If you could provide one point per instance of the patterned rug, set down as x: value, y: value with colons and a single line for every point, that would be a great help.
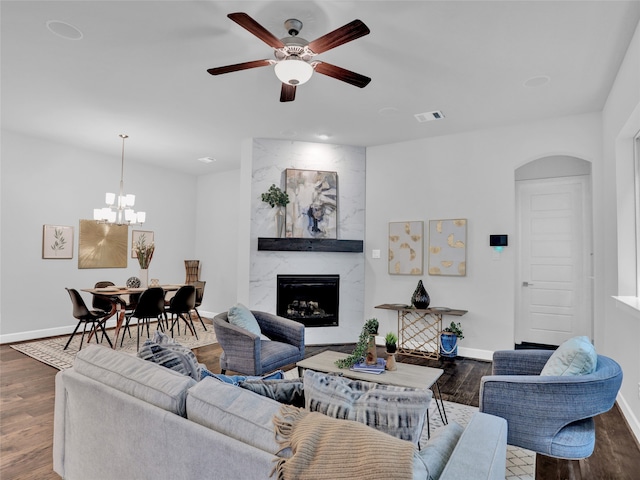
x: 520, y: 462
x: 50, y: 350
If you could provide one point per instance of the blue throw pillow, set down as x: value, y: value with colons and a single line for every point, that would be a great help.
x: 241, y: 316
x: 576, y: 356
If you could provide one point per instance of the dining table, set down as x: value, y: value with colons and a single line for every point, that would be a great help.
x: 115, y: 293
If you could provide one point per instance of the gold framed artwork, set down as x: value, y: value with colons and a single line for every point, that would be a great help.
x: 406, y: 245
x: 312, y: 211
x: 57, y: 242
x: 102, y: 245
x: 448, y: 247
x: 147, y: 238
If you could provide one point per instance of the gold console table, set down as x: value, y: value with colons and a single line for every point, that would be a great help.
x: 419, y: 329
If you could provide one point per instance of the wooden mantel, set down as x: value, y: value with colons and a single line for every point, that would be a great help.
x: 310, y: 245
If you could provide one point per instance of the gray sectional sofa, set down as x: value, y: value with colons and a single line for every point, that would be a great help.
x: 120, y: 417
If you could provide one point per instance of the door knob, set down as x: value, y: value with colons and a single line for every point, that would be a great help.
x: 526, y: 284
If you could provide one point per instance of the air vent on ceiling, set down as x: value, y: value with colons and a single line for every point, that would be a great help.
x: 428, y: 116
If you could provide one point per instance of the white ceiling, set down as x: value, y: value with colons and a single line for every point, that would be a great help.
x: 140, y: 69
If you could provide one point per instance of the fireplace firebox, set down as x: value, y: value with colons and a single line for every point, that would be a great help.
x: 309, y: 299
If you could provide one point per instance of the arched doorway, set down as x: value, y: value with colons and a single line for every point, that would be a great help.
x: 554, y: 269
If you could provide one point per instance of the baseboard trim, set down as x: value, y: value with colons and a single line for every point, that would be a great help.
x: 629, y: 416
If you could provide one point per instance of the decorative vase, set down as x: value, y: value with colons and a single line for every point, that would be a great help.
x: 144, y: 277
x: 279, y: 219
x: 420, y: 298
x: 391, y: 362
x: 372, y: 353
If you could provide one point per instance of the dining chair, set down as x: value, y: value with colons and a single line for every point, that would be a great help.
x: 150, y: 306
x: 199, y: 284
x: 95, y: 317
x: 180, y: 307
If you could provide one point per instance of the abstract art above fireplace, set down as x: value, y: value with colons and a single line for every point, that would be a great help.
x: 313, y: 208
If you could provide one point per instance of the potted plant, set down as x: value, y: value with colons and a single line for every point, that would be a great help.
x: 391, y: 343
x: 369, y: 331
x: 276, y: 198
x: 449, y: 340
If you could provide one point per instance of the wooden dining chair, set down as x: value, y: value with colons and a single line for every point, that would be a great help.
x: 96, y: 317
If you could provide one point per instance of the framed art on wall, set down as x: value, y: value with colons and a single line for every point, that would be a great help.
x: 406, y: 245
x: 102, y: 245
x: 57, y: 242
x: 312, y: 211
x: 448, y: 247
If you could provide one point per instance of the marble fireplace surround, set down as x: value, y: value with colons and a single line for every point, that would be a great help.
x: 269, y: 160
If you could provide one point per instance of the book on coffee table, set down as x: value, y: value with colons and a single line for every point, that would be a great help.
x: 362, y: 366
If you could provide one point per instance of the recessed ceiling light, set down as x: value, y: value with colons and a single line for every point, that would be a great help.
x: 537, y: 81
x: 207, y: 159
x: 64, y: 30
x: 324, y: 136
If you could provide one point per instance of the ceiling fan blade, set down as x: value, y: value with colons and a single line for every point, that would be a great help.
x: 239, y: 66
x: 338, y: 73
x: 249, y: 24
x: 288, y: 93
x: 339, y: 36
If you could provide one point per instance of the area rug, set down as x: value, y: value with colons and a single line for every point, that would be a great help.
x: 50, y: 350
x: 520, y: 462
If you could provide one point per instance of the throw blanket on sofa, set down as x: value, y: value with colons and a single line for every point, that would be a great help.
x: 326, y: 448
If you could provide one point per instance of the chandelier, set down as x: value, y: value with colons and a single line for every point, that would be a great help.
x: 119, y: 210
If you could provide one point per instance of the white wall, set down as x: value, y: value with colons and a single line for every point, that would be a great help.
x: 619, y: 325
x: 470, y: 176
x: 53, y: 184
x: 217, y: 239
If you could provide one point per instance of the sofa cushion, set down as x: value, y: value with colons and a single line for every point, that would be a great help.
x: 289, y: 392
x: 147, y: 381
x: 165, y: 351
x: 398, y: 411
x: 433, y: 457
x: 241, y: 316
x: 235, y: 412
x: 576, y: 356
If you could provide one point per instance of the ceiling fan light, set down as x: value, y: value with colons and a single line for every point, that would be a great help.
x: 293, y: 71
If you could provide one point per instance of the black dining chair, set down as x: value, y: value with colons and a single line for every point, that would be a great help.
x: 199, y: 284
x: 150, y: 307
x: 96, y: 317
x: 180, y: 307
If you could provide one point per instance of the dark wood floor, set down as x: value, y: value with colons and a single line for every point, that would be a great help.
x: 27, y: 398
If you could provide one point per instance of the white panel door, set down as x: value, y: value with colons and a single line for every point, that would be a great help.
x: 553, y: 300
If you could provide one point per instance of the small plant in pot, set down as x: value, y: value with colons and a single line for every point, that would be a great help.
x: 391, y: 342
x: 277, y: 199
x: 369, y: 330
x: 449, y: 340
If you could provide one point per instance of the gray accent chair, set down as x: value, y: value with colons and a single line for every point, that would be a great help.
x: 550, y: 415
x: 248, y: 354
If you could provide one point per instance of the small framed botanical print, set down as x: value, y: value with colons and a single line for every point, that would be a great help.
x: 57, y: 242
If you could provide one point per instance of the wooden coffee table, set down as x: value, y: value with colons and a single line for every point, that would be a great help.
x: 412, y: 376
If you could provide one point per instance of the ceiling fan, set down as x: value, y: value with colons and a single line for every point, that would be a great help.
x: 294, y: 62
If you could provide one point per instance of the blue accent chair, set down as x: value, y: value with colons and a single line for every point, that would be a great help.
x: 248, y: 354
x: 550, y: 415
